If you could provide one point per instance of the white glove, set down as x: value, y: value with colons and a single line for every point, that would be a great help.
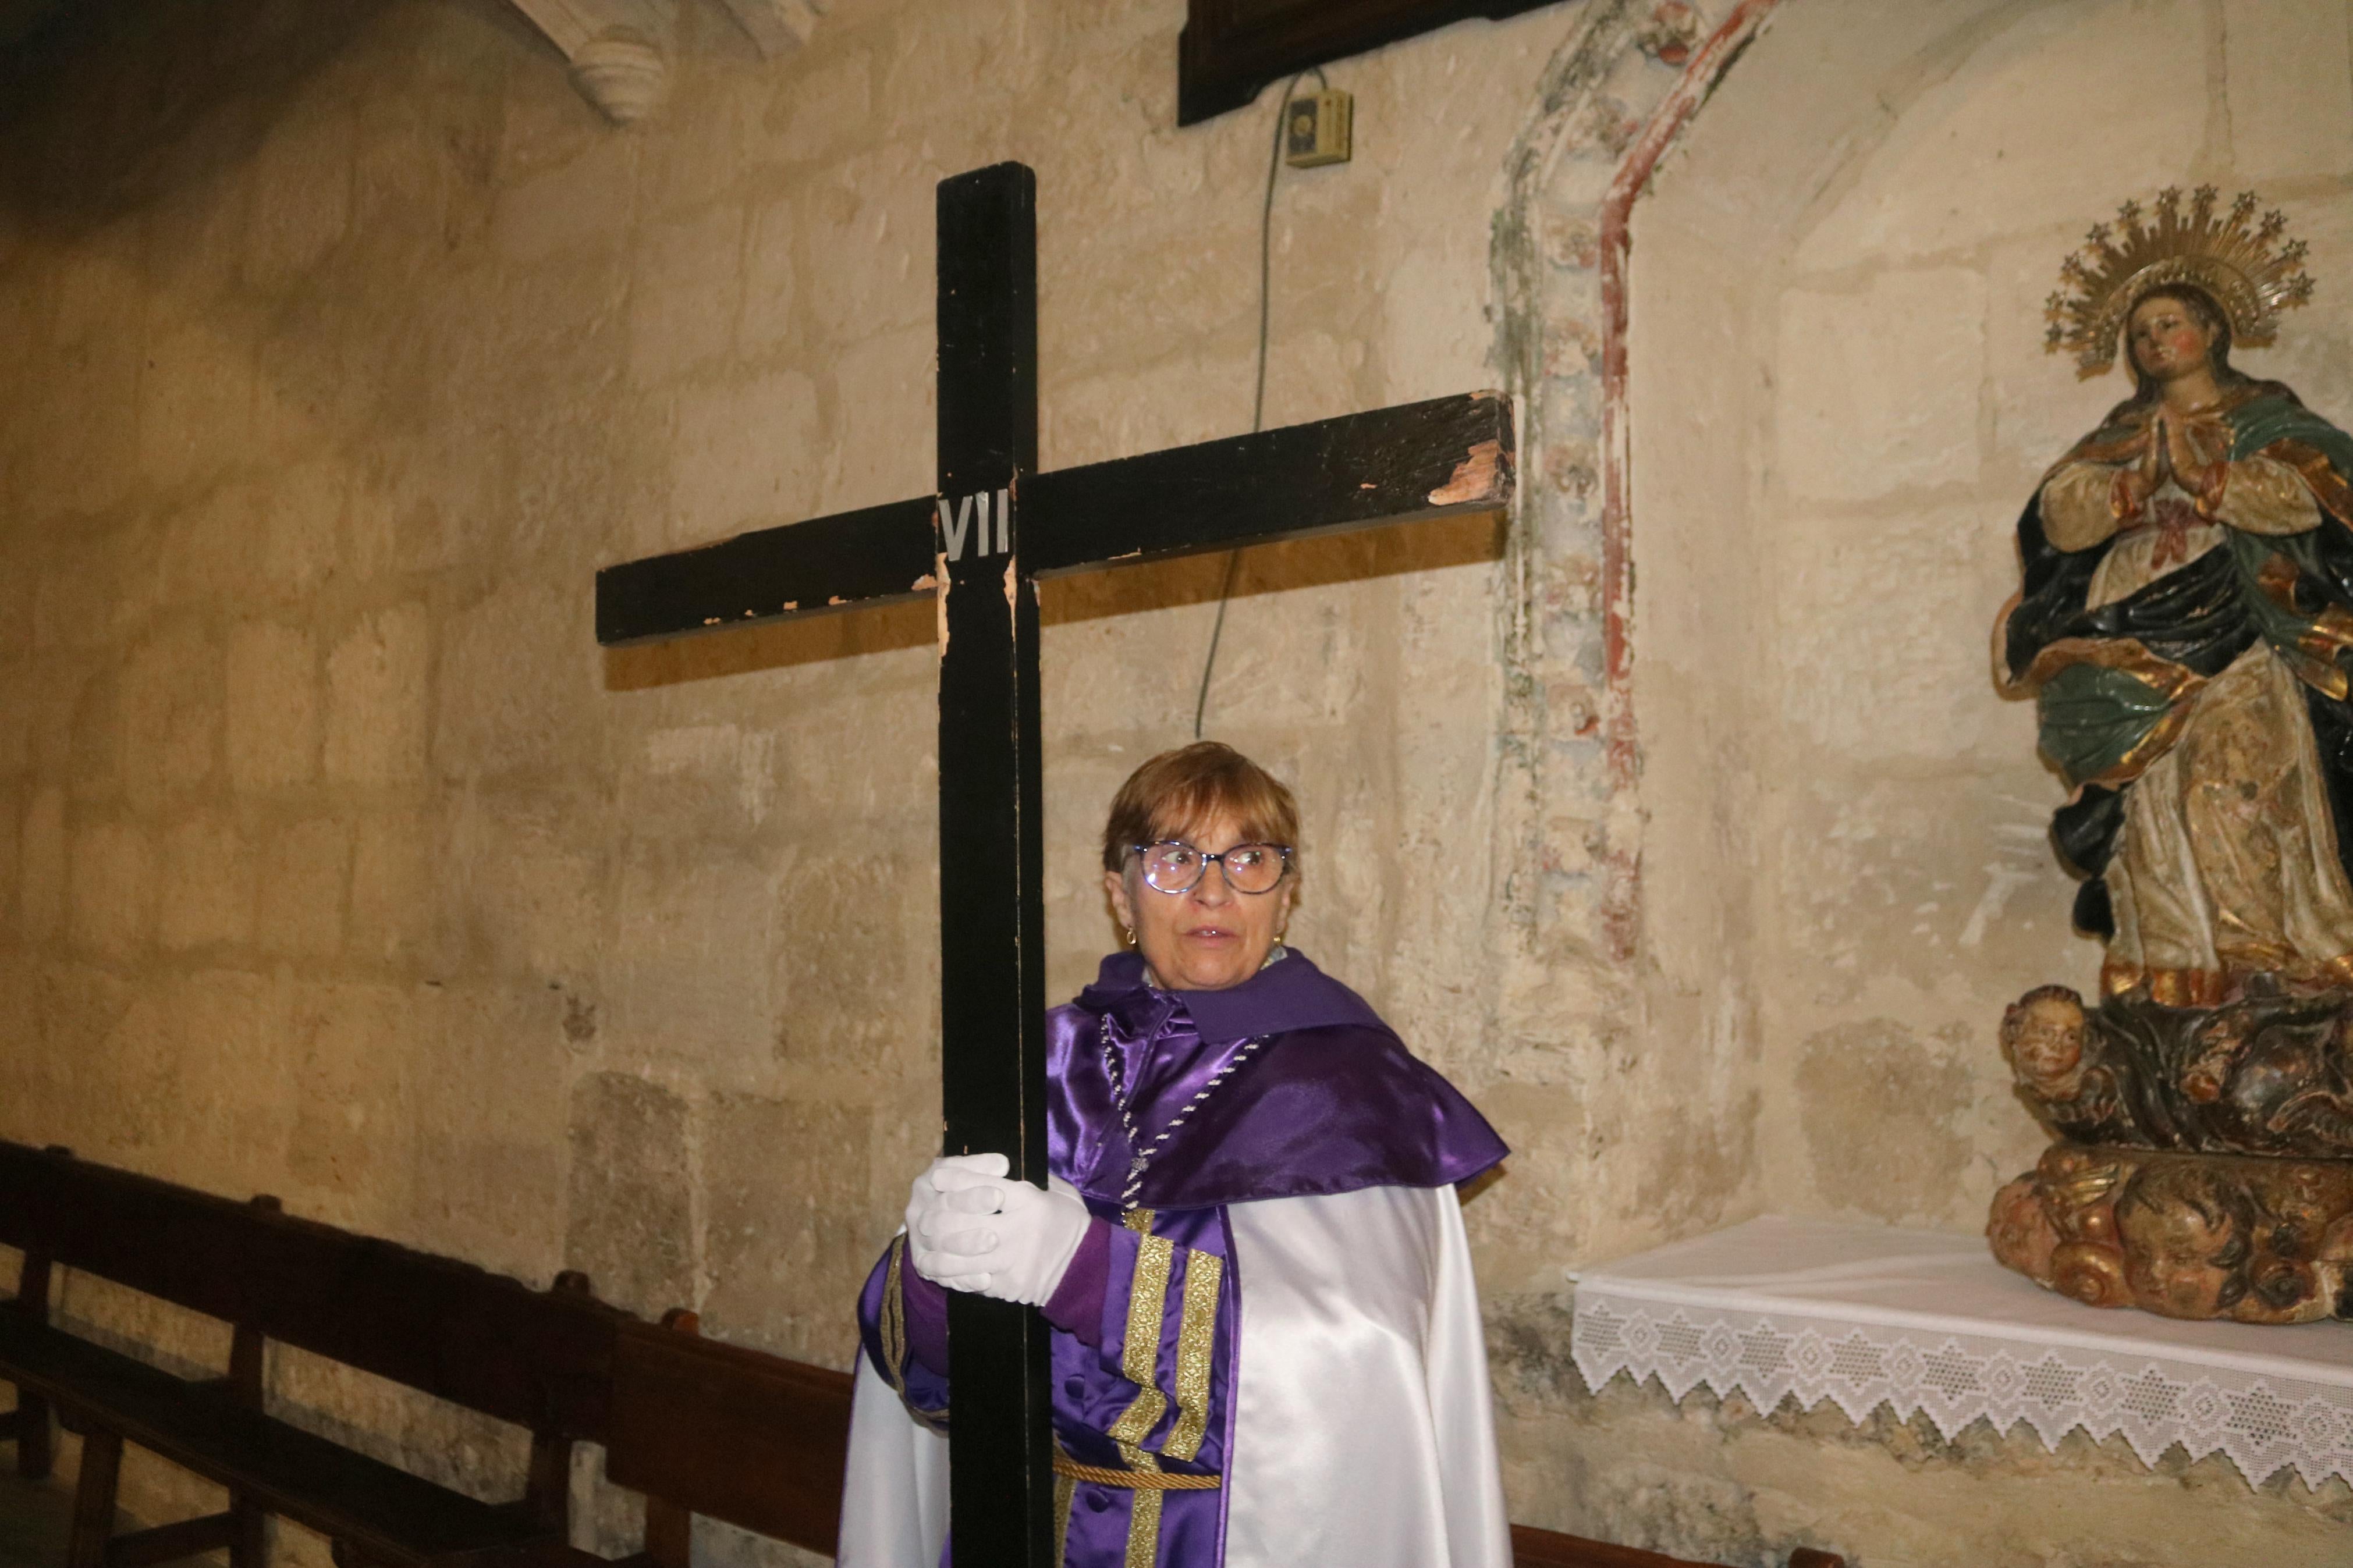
x: 926, y: 1199
x: 971, y: 1227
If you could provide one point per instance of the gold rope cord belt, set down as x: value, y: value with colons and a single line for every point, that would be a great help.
x: 1134, y: 1480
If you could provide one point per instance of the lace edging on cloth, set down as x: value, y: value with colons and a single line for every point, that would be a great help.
x: 2263, y: 1421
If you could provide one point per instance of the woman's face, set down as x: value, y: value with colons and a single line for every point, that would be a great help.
x: 1212, y: 938
x: 2167, y: 339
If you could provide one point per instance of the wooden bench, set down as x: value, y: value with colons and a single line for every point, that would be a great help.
x: 697, y: 1426
x: 761, y: 1443
x: 541, y: 1361
x: 701, y: 1427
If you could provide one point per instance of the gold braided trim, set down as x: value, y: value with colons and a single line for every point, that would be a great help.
x: 1143, y: 1530
x: 1148, y: 1306
x: 894, y: 1329
x: 1196, y: 1336
x: 1134, y: 1480
x: 893, y: 1323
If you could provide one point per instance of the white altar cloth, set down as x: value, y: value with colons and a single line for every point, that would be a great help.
x: 1927, y: 1320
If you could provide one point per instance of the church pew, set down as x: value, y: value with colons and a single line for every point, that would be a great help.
x: 760, y: 1442
x: 1534, y: 1548
x: 541, y: 1361
x: 699, y: 1428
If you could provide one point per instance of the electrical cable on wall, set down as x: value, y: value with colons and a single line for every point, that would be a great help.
x: 1257, y: 396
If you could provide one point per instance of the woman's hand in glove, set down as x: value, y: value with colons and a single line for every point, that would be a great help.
x: 972, y: 1227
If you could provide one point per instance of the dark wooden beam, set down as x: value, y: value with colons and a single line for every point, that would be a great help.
x: 29, y: 1423
x: 1534, y: 1548
x: 870, y: 556
x: 1229, y: 49
x: 172, y: 1542
x: 992, y: 846
x: 1391, y: 465
x: 94, y: 1494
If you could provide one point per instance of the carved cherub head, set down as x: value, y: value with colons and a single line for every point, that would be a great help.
x: 2187, y: 1240
x: 2043, y: 1041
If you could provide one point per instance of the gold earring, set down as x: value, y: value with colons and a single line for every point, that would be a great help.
x: 1131, y: 936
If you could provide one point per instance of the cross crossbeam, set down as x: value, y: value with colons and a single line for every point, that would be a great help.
x: 1391, y: 465
x: 980, y: 542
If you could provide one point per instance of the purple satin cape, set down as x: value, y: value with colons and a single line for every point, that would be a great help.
x: 1333, y: 1102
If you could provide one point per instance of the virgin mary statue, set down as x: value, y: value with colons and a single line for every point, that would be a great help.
x: 2185, y: 623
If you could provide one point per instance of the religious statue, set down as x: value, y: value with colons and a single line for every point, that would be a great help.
x: 2185, y: 628
x: 2189, y: 1236
x: 2267, y: 1074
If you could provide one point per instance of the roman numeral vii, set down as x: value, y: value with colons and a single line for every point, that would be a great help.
x: 957, y: 525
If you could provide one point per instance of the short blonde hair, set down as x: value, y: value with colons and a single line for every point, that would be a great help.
x: 1184, y: 788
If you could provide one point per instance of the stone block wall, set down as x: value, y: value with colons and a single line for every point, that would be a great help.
x: 346, y: 341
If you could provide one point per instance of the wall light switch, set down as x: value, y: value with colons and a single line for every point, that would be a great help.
x: 1315, y: 129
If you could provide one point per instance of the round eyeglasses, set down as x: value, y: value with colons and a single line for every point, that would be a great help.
x: 1173, y: 866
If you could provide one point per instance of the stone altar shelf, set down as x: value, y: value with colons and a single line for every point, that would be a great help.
x: 1927, y: 1320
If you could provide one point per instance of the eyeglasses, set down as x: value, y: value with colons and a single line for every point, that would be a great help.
x: 1173, y: 866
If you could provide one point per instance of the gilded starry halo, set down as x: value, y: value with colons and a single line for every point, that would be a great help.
x: 2235, y: 258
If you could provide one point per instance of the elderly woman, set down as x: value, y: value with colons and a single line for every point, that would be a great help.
x: 1266, y: 1347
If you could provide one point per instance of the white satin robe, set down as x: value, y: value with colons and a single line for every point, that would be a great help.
x: 1364, y: 1433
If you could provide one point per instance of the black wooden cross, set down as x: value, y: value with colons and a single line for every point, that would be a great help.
x: 995, y: 527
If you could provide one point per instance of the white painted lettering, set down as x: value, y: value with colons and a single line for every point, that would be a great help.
x: 954, y: 525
